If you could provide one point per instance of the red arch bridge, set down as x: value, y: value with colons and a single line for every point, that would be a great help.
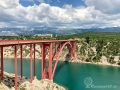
x: 54, y: 49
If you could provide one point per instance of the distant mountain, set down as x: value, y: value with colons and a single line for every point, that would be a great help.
x: 52, y: 30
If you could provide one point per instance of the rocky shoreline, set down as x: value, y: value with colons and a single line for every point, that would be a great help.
x: 75, y: 60
x: 97, y: 63
x: 24, y: 84
x: 40, y: 85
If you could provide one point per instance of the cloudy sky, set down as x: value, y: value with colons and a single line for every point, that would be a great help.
x: 60, y: 13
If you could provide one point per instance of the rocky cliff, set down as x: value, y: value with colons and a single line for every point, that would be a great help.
x: 98, y: 51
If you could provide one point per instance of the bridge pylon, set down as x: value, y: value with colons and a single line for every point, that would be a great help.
x: 54, y: 51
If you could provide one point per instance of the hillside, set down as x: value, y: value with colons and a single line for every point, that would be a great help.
x: 97, y: 47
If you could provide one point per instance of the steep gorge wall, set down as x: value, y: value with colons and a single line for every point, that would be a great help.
x: 97, y: 50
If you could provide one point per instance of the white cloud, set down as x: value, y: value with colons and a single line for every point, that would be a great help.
x: 106, y: 6
x: 9, y: 3
x: 13, y: 14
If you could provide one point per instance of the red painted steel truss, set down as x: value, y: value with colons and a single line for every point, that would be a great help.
x: 48, y: 69
x: 51, y: 52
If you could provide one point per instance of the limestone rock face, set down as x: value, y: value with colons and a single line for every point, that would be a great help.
x: 24, y: 84
x: 9, y: 80
x: 104, y: 60
x: 40, y: 85
x: 3, y: 87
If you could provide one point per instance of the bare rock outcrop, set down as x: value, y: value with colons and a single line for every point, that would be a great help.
x: 40, y: 85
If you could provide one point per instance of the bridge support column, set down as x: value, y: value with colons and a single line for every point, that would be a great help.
x: 34, y: 61
x: 43, y: 61
x: 74, y: 49
x: 21, y: 61
x: 50, y: 61
x: 47, y: 68
x: 15, y: 68
x: 70, y: 50
x: 31, y: 63
x: 2, y: 66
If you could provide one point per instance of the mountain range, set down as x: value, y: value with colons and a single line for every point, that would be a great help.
x: 52, y: 30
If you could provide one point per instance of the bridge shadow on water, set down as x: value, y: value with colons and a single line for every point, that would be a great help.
x: 59, y: 67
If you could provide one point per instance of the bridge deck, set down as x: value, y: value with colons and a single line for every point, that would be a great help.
x: 17, y: 42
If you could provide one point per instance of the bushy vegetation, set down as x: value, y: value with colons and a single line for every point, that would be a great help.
x: 104, y: 44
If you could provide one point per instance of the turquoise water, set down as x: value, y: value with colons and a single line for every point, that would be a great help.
x: 76, y: 76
